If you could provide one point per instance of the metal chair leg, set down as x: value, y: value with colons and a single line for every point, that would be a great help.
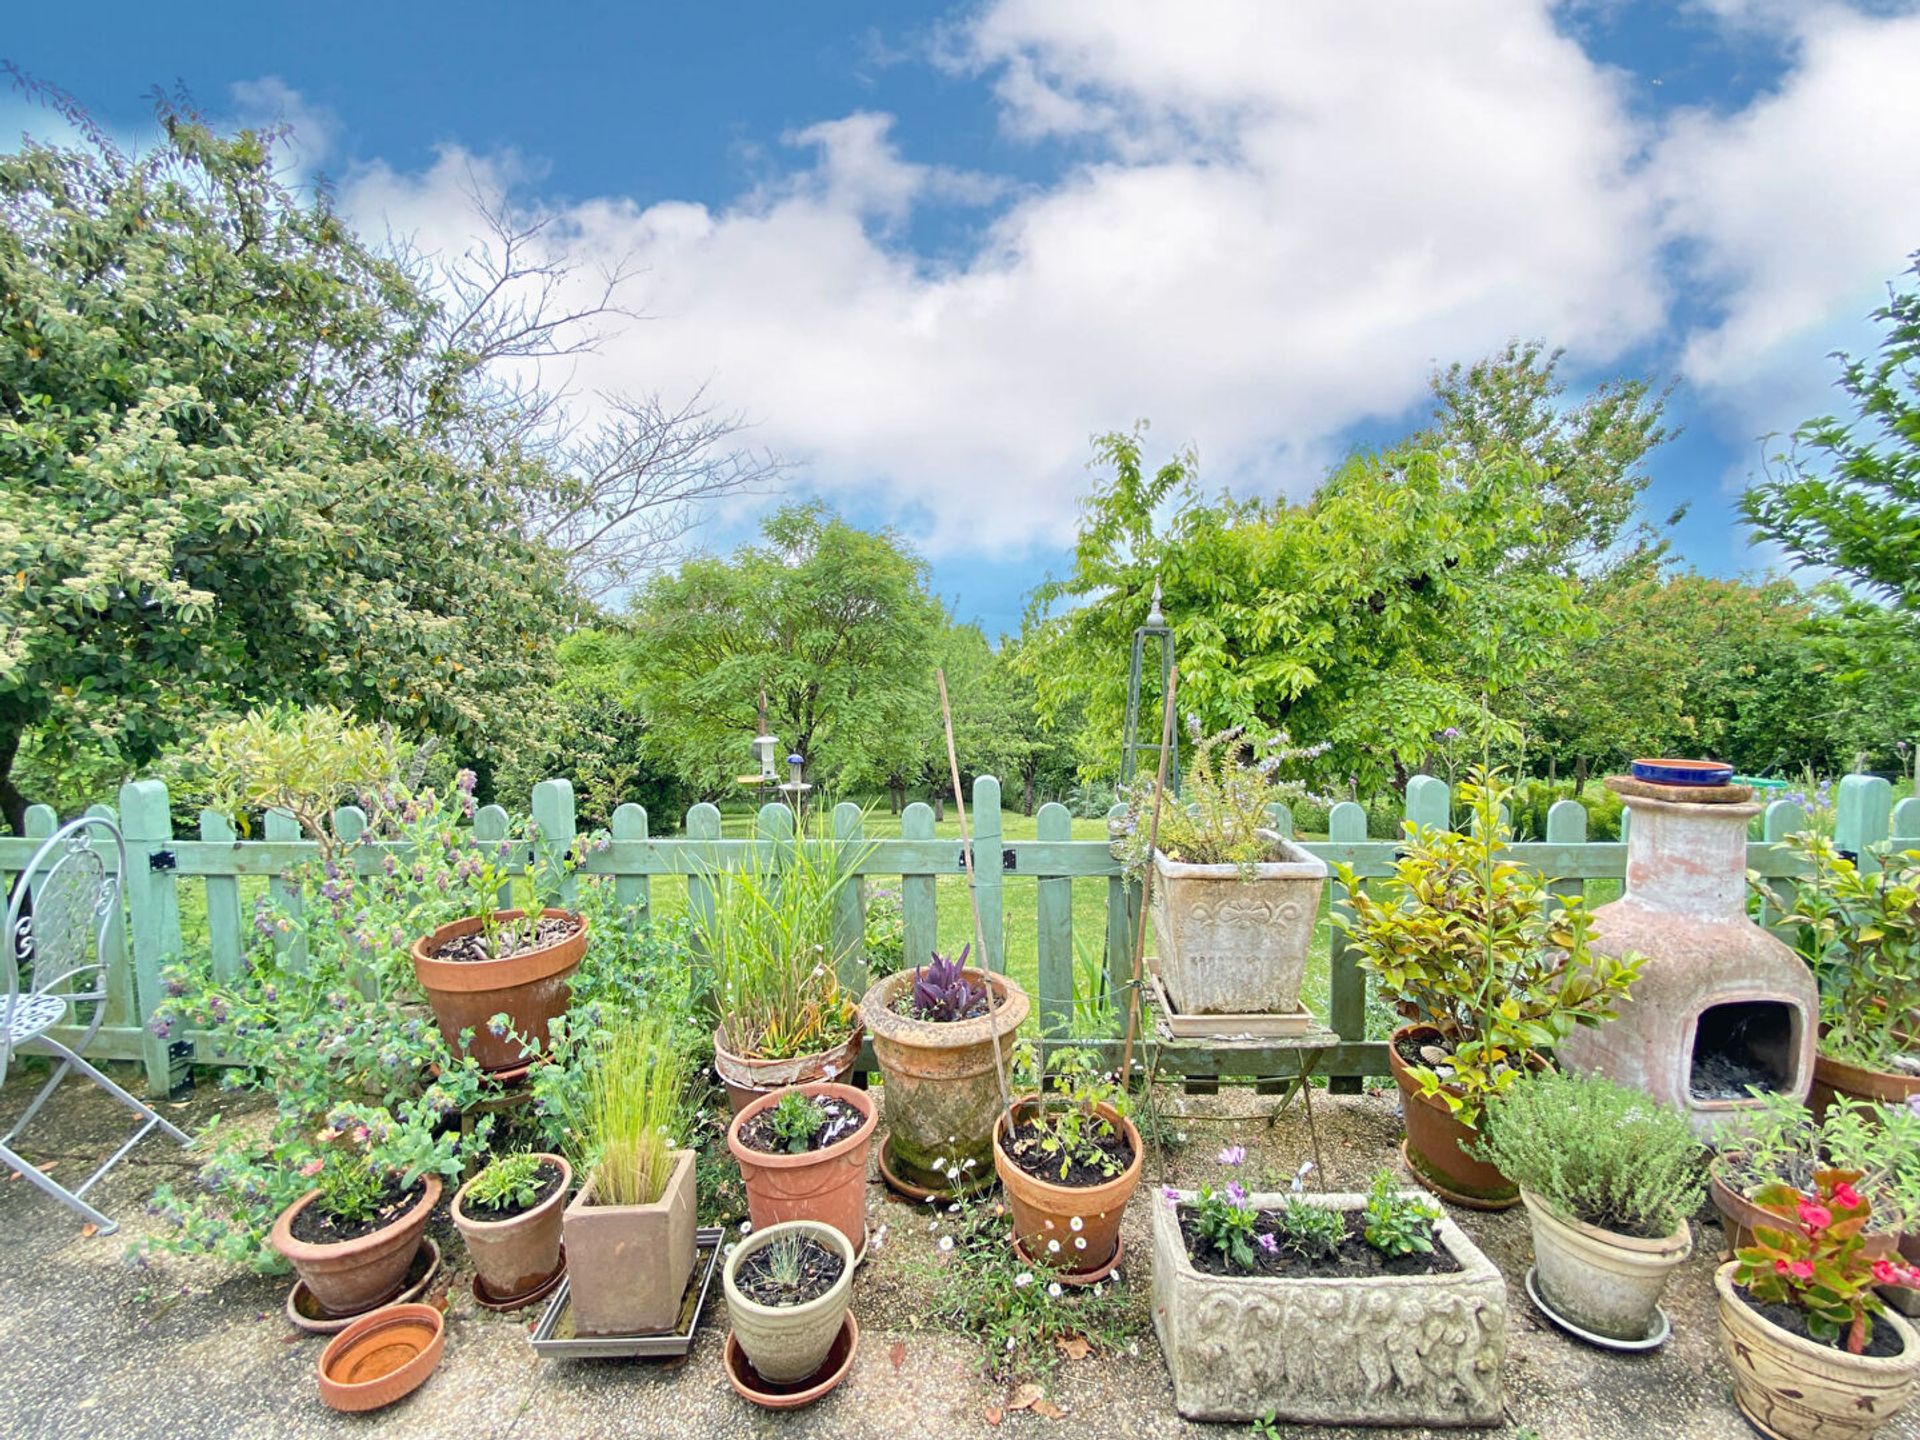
x: 47, y: 1183
x: 59, y: 1074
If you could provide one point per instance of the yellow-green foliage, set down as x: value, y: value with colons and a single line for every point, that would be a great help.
x: 305, y: 762
x: 635, y: 1109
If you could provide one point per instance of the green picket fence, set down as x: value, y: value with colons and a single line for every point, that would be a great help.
x: 160, y: 863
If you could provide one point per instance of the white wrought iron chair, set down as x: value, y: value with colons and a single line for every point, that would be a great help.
x: 65, y: 906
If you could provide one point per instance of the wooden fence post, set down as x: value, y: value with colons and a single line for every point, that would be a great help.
x: 703, y: 823
x: 1780, y: 819
x: 850, y: 905
x: 1906, y: 824
x: 1862, y: 808
x: 553, y: 814
x: 286, y: 889
x: 1053, y: 920
x: 490, y: 826
x: 1567, y: 825
x: 919, y: 912
x: 153, y: 904
x: 988, y: 873
x: 632, y: 893
x: 1347, y: 988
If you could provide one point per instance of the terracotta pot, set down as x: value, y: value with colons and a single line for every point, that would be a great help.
x: 530, y: 987
x: 382, y: 1356
x: 1046, y: 1211
x: 1435, y: 1140
x: 1739, y: 1215
x: 827, y: 1185
x: 786, y: 1344
x: 1234, y: 944
x: 942, y: 1088
x: 520, y: 1254
x: 628, y: 1265
x: 349, y: 1276
x: 1877, y: 1087
x: 1605, y: 1283
x: 1795, y: 1389
x: 748, y: 1078
x: 1904, y: 1298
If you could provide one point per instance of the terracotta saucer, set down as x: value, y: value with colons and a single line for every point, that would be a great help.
x: 919, y: 1192
x: 307, y: 1313
x: 487, y: 1300
x: 1084, y: 1277
x: 748, y: 1384
x: 383, y: 1355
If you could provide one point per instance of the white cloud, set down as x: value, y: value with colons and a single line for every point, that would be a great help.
x: 270, y: 102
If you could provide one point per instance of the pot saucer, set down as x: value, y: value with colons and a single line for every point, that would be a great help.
x: 1084, y: 1277
x: 1453, y: 1197
x: 487, y: 1300
x: 1661, y: 1330
x: 749, y: 1386
x: 381, y: 1356
x: 307, y: 1313
x: 910, y: 1191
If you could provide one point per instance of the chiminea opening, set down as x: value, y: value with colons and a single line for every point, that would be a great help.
x: 1742, y: 1043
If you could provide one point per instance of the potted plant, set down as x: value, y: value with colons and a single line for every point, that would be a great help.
x: 943, y: 1037
x: 803, y: 1155
x: 772, y: 936
x: 1814, y: 1354
x: 1860, y: 931
x: 1608, y: 1177
x: 1234, y: 902
x: 1070, y: 1159
x: 510, y: 1216
x: 354, y: 1234
x: 1322, y: 1309
x: 630, y: 1231
x: 787, y: 1292
x: 1493, y: 969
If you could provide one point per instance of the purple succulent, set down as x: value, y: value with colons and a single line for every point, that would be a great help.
x: 941, y: 990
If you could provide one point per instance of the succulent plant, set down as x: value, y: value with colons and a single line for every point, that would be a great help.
x: 941, y: 990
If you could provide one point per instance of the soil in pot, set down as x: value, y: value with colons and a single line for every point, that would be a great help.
x: 788, y: 1273
x: 547, y: 1179
x: 316, y: 1227
x: 840, y: 1121
x: 1354, y: 1259
x: 1025, y: 1151
x: 1883, y: 1344
x: 548, y: 930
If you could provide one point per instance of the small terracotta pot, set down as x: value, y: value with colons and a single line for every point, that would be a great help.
x: 531, y: 987
x: 382, y: 1356
x: 1067, y: 1214
x: 1739, y: 1216
x: 628, y: 1264
x: 1877, y: 1087
x: 747, y: 1078
x: 1795, y: 1389
x: 1605, y: 1283
x: 1435, y: 1141
x: 349, y: 1276
x: 787, y: 1344
x: 827, y: 1185
x: 518, y: 1255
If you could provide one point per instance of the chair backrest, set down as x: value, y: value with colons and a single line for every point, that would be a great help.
x: 60, y: 919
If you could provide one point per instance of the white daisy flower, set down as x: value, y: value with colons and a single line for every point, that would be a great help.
x: 946, y: 1242
x: 1023, y: 1279
x: 1079, y: 1242
x: 1075, y: 1223
x: 746, y: 1227
x: 1054, y: 1289
x: 1053, y: 1247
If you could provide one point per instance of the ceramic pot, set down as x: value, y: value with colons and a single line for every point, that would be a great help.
x: 518, y: 1255
x: 347, y: 1277
x: 531, y: 987
x: 1605, y: 1283
x: 1083, y: 1219
x: 750, y: 1386
x: 1876, y: 1087
x: 942, y: 1086
x: 788, y: 1343
x: 1795, y: 1389
x: 382, y: 1356
x: 747, y: 1078
x: 627, y: 1265
x: 1230, y: 944
x: 828, y: 1185
x: 1435, y: 1141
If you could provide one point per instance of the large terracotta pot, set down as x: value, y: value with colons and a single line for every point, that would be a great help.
x: 531, y: 987
x: 1795, y: 1389
x: 627, y: 1265
x: 1234, y: 944
x: 517, y: 1255
x: 347, y: 1277
x: 1435, y: 1140
x: 1083, y: 1219
x: 828, y: 1185
x: 747, y: 1078
x: 942, y: 1087
x: 1739, y: 1216
x: 1605, y: 1283
x: 787, y: 1343
x: 1877, y: 1087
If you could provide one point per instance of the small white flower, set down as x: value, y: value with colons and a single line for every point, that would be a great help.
x: 1079, y: 1242
x: 954, y: 1209
x: 946, y: 1242
x: 1023, y: 1279
x: 1075, y: 1223
x: 1049, y: 1224
x: 1098, y: 1289
x: 1053, y: 1247
x: 1054, y: 1289
x: 746, y: 1227
x: 1009, y: 1342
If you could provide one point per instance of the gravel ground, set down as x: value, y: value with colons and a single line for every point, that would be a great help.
x: 98, y: 1346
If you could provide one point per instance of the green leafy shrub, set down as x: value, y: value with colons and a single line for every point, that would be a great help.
x: 1597, y: 1152
x: 886, y: 931
x: 1779, y: 1142
x: 511, y: 1180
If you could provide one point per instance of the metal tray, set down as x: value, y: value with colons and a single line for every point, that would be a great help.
x: 554, y: 1336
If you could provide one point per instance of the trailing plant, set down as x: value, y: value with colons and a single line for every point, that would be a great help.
x: 1398, y: 1224
x: 795, y: 1121
x: 1476, y: 945
x: 1064, y: 1117
x: 941, y: 990
x: 1817, y: 1262
x: 1597, y: 1152
x: 636, y: 1111
x: 511, y: 1180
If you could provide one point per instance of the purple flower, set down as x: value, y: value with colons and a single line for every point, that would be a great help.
x: 1236, y: 1195
x: 1234, y: 1155
x: 1451, y: 733
x: 465, y: 781
x: 161, y: 1028
x: 1172, y: 1196
x: 1267, y: 1243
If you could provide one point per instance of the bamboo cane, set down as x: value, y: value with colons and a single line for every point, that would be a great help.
x: 1146, y: 880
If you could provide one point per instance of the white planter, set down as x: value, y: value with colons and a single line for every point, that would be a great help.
x: 1604, y: 1283
x: 1230, y: 945
x: 788, y: 1343
x: 1382, y: 1350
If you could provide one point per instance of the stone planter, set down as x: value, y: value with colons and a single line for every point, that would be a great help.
x: 530, y: 987
x: 786, y: 1344
x: 1795, y: 1389
x: 1436, y: 1142
x: 828, y: 1185
x: 942, y: 1088
x: 518, y: 1255
x: 346, y: 1277
x: 748, y: 1078
x: 628, y: 1265
x: 1604, y: 1283
x: 1229, y: 945
x: 1384, y: 1350
x: 1084, y: 1219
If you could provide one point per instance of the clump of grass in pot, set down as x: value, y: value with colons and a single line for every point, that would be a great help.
x: 635, y: 1108
x: 1597, y: 1152
x: 511, y: 1181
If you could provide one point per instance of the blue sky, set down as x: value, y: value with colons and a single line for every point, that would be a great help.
x: 930, y: 249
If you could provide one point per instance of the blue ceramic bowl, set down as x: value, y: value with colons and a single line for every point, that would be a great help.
x: 1682, y: 772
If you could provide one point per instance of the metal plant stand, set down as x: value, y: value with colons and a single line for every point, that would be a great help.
x: 1158, y: 630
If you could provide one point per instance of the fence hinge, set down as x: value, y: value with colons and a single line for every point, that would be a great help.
x: 1008, y: 860
x: 1852, y: 857
x: 162, y: 860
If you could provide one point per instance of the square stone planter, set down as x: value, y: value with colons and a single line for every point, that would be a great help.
x: 1382, y: 1350
x: 627, y: 1265
x: 1230, y: 945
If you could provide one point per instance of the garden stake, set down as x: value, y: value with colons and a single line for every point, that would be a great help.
x: 1146, y: 880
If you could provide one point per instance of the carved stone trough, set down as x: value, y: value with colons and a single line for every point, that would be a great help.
x: 1236, y: 944
x: 1376, y: 1350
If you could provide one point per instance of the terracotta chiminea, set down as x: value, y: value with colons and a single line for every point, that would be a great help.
x: 1720, y: 1003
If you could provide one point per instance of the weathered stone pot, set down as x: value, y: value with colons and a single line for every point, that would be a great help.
x: 786, y: 1344
x: 530, y: 987
x: 518, y: 1255
x: 942, y: 1086
x: 1232, y: 945
x: 1083, y: 1219
x: 627, y: 1265
x: 1795, y: 1389
x: 1604, y: 1283
x: 1436, y: 1141
x: 828, y: 1185
x: 346, y: 1277
x: 1333, y: 1351
x: 747, y: 1078
x: 1876, y: 1087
